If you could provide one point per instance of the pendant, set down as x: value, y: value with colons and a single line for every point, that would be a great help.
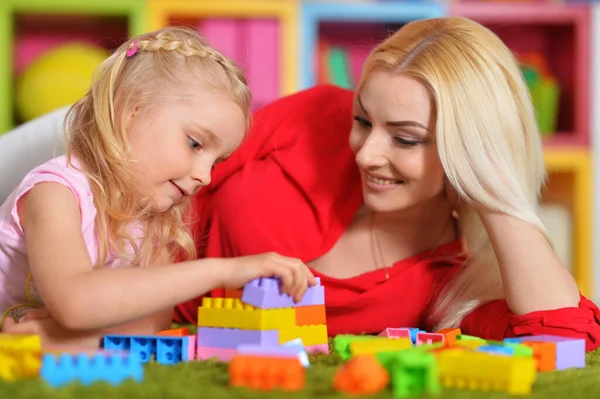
x: 387, y: 274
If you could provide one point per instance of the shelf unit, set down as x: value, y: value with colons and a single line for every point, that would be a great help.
x: 274, y: 44
x: 355, y: 25
x: 561, y: 33
x: 46, y: 22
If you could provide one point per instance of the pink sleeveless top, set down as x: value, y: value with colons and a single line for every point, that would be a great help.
x: 17, y: 291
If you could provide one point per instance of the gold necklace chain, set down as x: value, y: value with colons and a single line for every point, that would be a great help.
x: 375, y: 245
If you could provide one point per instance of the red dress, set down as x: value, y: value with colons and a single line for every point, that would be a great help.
x: 293, y: 188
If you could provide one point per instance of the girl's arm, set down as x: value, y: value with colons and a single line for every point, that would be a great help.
x: 533, y: 276
x: 81, y: 298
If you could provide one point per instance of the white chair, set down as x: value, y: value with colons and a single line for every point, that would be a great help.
x: 28, y: 146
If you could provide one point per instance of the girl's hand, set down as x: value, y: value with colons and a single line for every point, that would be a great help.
x: 293, y: 273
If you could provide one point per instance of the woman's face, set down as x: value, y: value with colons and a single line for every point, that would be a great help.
x: 393, y: 137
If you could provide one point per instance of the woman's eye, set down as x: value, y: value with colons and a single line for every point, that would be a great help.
x: 194, y: 145
x: 362, y: 121
x: 405, y: 143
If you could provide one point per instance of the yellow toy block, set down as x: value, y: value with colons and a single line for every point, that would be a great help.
x: 379, y: 345
x: 469, y: 344
x: 480, y: 371
x: 310, y: 335
x: 20, y: 356
x: 233, y: 313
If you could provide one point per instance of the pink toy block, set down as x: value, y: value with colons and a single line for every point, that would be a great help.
x: 314, y: 349
x: 223, y: 354
x: 224, y: 35
x: 191, y: 350
x: 424, y: 338
x: 232, y: 338
x: 261, y: 54
x: 395, y: 333
x: 264, y: 293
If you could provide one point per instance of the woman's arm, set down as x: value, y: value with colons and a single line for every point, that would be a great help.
x: 81, y: 298
x: 533, y: 276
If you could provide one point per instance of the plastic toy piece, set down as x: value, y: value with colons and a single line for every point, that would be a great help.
x: 414, y: 374
x: 450, y: 335
x: 497, y: 350
x: 544, y: 353
x: 382, y: 345
x: 518, y: 349
x: 237, y: 294
x: 310, y: 315
x: 570, y: 352
x: 463, y: 337
x: 362, y: 375
x: 341, y: 343
x: 112, y: 368
x: 310, y: 335
x: 165, y: 350
x: 232, y: 338
x: 429, y: 338
x: 264, y: 294
x: 232, y: 313
x: 414, y: 332
x: 175, y: 332
x: 395, y: 333
x: 20, y: 356
x: 301, y: 350
x: 266, y: 373
x: 290, y: 351
x: 221, y: 354
x: 480, y: 371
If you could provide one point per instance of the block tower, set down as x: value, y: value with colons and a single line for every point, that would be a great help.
x: 261, y: 315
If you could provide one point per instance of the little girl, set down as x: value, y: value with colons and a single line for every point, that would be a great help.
x: 88, y: 240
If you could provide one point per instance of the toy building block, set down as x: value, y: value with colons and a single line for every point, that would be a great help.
x: 175, y: 332
x: 518, y: 349
x: 414, y: 374
x: 222, y: 354
x: 395, y: 333
x: 112, y: 368
x: 362, y: 375
x: 166, y: 350
x: 232, y: 313
x: 264, y: 293
x: 570, y: 352
x: 496, y: 350
x: 20, y: 356
x: 291, y: 351
x: 481, y: 371
x: 450, y: 335
x: 310, y: 335
x: 429, y: 338
x: 310, y: 315
x: 382, y: 345
x: 341, y: 343
x: 266, y: 373
x: 302, y: 352
x: 232, y: 338
x: 544, y: 353
x: 414, y: 332
x: 464, y: 337
x: 237, y: 294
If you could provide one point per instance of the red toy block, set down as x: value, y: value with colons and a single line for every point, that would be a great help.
x: 429, y: 338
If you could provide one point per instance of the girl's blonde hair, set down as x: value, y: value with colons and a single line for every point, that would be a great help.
x: 167, y: 65
x: 487, y: 139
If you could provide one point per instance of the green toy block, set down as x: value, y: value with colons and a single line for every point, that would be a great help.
x: 414, y: 374
x: 387, y: 359
x: 134, y: 10
x: 463, y: 337
x: 341, y: 343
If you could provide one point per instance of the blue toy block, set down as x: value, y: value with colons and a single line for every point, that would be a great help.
x: 113, y: 368
x: 413, y: 334
x: 497, y: 350
x: 516, y: 340
x: 166, y: 350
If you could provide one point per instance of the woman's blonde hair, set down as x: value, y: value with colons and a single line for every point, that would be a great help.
x: 486, y: 134
x: 167, y: 65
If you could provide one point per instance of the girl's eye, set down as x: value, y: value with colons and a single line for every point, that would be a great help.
x: 194, y: 145
x: 362, y: 121
x: 405, y: 143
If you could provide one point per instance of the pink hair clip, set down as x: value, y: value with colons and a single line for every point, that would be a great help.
x: 132, y: 49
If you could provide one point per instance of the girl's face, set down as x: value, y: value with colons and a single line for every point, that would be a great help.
x: 176, y: 147
x: 393, y: 137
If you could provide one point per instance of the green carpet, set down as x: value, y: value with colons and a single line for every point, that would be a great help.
x: 209, y: 380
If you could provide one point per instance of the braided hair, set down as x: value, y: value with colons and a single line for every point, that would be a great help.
x: 147, y: 71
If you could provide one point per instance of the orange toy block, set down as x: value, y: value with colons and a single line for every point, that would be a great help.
x: 544, y: 353
x: 310, y: 315
x: 362, y: 375
x: 237, y: 294
x: 450, y: 335
x: 266, y: 373
x: 175, y: 332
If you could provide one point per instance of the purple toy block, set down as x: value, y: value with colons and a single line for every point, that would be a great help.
x: 268, y: 350
x: 570, y: 352
x: 213, y: 337
x: 264, y: 293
